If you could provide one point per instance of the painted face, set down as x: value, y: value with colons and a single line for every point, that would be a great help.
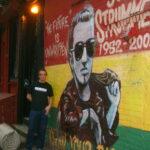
x: 83, y: 49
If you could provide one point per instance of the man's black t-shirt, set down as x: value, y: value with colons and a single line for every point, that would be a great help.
x: 40, y: 92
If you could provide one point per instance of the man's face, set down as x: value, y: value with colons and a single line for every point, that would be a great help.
x: 42, y: 76
x: 83, y: 49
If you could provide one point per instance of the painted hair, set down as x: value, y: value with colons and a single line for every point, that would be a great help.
x: 85, y: 15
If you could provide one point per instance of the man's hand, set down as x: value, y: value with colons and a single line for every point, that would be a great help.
x: 47, y: 109
x: 89, y: 113
x: 113, y: 92
x: 95, y: 124
x: 85, y: 115
x: 29, y: 97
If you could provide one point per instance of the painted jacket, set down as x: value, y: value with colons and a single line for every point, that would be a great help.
x: 71, y: 107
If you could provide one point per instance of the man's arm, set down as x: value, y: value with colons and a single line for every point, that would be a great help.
x: 113, y: 91
x: 48, y: 107
x: 29, y: 92
x: 29, y: 97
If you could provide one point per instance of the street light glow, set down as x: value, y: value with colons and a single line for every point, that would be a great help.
x: 35, y: 9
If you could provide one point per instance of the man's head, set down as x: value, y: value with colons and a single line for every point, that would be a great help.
x: 42, y: 75
x: 81, y: 45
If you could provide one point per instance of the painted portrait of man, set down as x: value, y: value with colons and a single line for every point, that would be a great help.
x: 88, y: 107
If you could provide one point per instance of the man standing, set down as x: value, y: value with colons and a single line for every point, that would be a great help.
x: 89, y: 104
x: 39, y: 94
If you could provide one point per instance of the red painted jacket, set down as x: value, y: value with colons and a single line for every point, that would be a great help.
x: 71, y: 107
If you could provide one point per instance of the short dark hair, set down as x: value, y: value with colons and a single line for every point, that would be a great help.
x: 42, y: 69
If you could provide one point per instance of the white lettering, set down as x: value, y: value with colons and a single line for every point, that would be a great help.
x: 112, y: 21
x: 40, y: 89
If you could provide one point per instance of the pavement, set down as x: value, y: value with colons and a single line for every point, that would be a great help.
x: 22, y: 147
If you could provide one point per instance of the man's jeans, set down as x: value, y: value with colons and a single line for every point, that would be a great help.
x: 37, y: 124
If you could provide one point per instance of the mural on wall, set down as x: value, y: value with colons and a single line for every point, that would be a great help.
x: 121, y: 26
x: 97, y: 57
x: 89, y: 104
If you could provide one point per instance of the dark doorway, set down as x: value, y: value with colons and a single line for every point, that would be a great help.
x: 26, y: 63
x: 31, y: 59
